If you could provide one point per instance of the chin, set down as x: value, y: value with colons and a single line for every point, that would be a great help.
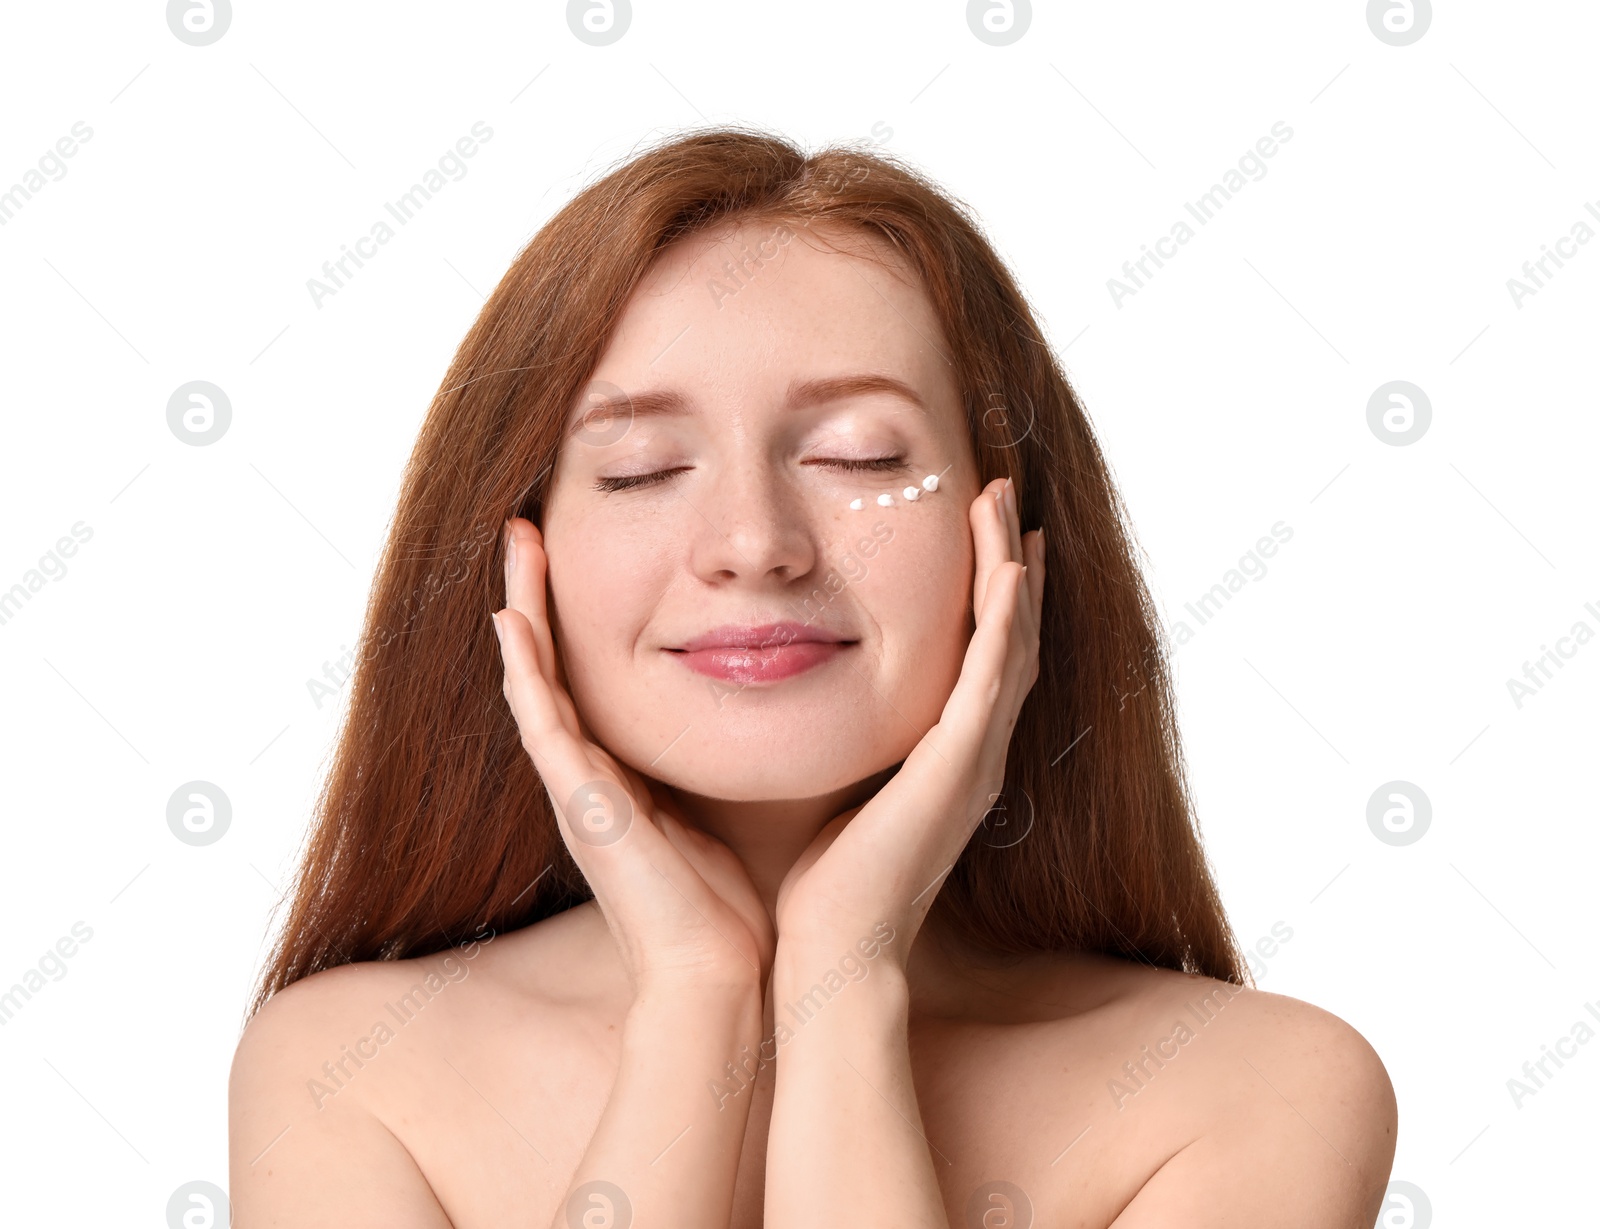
x: 803, y: 738
x: 780, y: 772
x: 743, y: 786
x: 758, y: 760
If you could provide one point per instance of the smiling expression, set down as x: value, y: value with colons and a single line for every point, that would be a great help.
x: 727, y: 621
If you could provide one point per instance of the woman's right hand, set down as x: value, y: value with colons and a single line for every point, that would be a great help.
x: 681, y: 907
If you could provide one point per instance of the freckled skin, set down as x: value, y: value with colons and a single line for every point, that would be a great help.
x: 751, y: 532
x: 479, y: 1112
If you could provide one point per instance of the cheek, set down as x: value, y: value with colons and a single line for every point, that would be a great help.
x: 599, y: 599
x: 913, y: 570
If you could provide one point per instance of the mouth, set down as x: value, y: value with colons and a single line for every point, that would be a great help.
x: 767, y: 653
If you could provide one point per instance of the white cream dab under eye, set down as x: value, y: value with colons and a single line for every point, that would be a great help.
x: 930, y: 483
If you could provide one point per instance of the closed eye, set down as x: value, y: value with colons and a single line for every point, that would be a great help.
x: 631, y: 481
x: 881, y: 463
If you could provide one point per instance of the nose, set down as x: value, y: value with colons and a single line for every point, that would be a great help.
x: 752, y: 524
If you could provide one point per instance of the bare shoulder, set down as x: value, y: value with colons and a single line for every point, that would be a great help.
x: 300, y: 1155
x: 374, y: 1091
x: 1284, y: 1091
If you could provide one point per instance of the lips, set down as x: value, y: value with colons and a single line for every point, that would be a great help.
x: 764, y: 653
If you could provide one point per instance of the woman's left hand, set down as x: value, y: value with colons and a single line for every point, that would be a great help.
x: 884, y: 861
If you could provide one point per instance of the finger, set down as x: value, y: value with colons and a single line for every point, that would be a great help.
x: 989, y: 540
x: 1007, y: 647
x: 1027, y: 549
x: 540, y: 719
x: 955, y: 771
x: 527, y: 589
x: 651, y: 875
x: 601, y: 808
x: 983, y: 706
x: 559, y: 757
x: 1030, y: 604
x: 719, y: 868
x: 998, y: 540
x: 1037, y: 578
x: 1028, y: 618
x: 1013, y: 522
x: 1034, y: 542
x: 1022, y: 663
x: 819, y: 845
x: 958, y: 754
x: 526, y: 568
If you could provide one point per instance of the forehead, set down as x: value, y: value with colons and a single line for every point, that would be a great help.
x: 749, y: 309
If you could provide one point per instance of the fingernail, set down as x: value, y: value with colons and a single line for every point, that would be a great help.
x: 511, y: 554
x: 498, y: 634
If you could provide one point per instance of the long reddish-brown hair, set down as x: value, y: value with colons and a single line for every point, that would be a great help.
x: 432, y: 823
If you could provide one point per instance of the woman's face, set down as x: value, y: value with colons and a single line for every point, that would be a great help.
x: 747, y: 366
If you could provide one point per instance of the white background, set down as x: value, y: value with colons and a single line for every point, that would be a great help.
x: 1230, y: 393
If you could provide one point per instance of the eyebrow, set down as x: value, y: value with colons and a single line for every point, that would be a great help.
x: 802, y: 394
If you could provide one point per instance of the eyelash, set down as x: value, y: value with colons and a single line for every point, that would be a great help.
x: 878, y: 464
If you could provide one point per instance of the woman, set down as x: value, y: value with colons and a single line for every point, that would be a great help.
x: 802, y: 855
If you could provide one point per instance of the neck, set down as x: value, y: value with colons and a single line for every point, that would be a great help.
x: 768, y: 837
